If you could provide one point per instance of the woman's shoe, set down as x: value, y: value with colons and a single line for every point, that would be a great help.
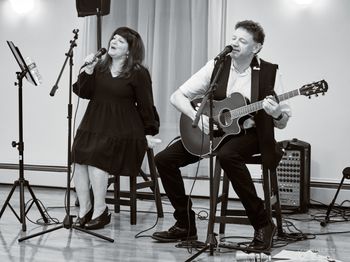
x: 81, y: 221
x: 100, y: 221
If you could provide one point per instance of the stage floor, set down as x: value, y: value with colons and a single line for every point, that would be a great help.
x: 73, y: 245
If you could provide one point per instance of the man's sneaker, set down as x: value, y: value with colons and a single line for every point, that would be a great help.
x: 175, y: 233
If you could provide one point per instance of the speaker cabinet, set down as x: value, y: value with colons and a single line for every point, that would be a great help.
x: 93, y: 7
x: 293, y: 173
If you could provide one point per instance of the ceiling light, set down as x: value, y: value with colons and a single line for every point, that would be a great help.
x: 22, y: 6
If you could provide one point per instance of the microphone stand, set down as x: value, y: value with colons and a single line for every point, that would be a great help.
x: 68, y: 220
x: 211, y: 241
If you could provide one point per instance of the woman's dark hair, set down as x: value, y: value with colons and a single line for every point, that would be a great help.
x: 136, y: 52
x: 254, y: 28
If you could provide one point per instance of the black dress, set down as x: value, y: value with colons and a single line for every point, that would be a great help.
x: 120, y: 113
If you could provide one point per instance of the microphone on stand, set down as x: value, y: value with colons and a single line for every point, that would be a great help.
x: 98, y: 55
x: 228, y: 49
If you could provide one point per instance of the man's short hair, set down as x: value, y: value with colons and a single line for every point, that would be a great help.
x: 254, y: 28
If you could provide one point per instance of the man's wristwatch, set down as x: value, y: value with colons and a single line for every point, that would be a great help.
x: 279, y: 117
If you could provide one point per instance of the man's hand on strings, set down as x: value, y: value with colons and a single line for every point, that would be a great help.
x: 271, y: 107
x: 203, y: 122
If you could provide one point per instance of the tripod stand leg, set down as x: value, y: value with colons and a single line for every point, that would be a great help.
x: 22, y: 184
x: 35, y: 200
x: 21, y: 217
x: 326, y: 219
x: 40, y: 233
x: 7, y: 201
x: 94, y: 234
x: 198, y: 253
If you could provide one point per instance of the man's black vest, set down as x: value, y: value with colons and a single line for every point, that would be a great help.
x: 263, y: 81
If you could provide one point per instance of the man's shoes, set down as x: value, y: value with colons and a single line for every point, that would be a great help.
x: 263, y: 238
x: 81, y: 221
x: 100, y: 221
x: 175, y: 234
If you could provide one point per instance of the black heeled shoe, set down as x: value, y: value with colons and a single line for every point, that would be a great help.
x: 81, y: 221
x: 100, y: 221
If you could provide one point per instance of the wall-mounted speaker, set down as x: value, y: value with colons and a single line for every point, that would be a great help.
x: 93, y: 7
x: 293, y: 174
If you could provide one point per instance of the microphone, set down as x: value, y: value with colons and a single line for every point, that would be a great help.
x: 98, y: 55
x: 227, y: 49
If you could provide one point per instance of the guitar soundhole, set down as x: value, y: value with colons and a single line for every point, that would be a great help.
x: 225, y: 117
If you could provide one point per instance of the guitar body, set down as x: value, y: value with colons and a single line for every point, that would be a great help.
x: 197, y: 142
x: 228, y: 114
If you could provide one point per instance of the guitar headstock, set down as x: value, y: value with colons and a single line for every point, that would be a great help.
x: 314, y: 88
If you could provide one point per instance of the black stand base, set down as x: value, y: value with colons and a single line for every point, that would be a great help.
x: 210, y: 244
x: 68, y: 224
x: 243, y: 247
x: 22, y: 183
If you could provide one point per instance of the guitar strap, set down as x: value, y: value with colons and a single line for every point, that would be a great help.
x: 255, y: 80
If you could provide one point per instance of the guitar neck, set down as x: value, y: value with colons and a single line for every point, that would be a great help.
x: 256, y: 106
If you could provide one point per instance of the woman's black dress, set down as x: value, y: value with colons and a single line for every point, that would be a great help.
x: 120, y: 113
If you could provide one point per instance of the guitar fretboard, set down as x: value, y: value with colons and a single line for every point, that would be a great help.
x: 256, y: 106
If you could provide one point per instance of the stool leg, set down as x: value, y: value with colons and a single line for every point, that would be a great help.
x: 224, y: 202
x: 267, y: 191
x: 133, y: 197
x: 153, y: 174
x: 116, y: 193
x: 224, y: 196
x: 216, y: 183
x: 277, y: 204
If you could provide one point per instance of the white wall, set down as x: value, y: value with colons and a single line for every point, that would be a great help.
x: 43, y: 35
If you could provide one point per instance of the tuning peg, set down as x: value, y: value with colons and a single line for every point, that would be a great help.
x: 309, y: 97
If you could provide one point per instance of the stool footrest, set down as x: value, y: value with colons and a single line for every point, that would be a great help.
x: 235, y: 212
x: 232, y: 220
x: 146, y: 184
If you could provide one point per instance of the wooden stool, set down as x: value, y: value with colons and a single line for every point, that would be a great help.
x: 238, y: 216
x: 128, y: 198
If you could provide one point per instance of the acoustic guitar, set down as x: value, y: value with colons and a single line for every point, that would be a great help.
x: 228, y: 115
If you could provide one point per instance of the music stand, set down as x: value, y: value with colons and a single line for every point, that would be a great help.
x: 21, y: 182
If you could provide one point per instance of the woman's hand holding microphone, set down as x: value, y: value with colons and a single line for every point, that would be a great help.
x: 90, y: 62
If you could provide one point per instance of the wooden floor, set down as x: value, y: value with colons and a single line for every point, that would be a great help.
x: 72, y: 245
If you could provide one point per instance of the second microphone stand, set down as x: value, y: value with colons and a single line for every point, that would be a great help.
x: 68, y: 220
x: 211, y: 241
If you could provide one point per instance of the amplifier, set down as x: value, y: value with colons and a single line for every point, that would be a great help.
x: 293, y: 174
